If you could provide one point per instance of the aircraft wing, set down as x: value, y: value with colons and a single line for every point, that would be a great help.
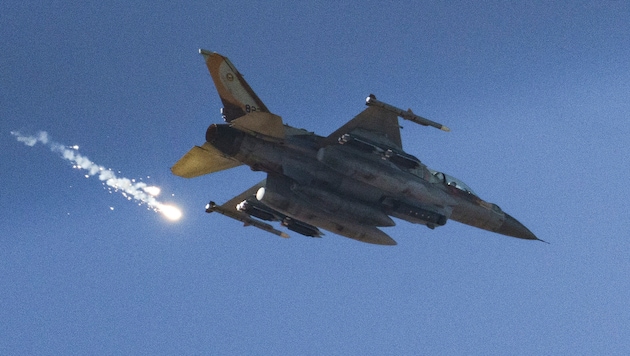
x: 237, y: 96
x: 231, y: 204
x: 314, y: 218
x: 229, y: 209
x: 377, y: 123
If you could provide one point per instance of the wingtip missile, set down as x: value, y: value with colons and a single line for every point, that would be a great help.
x: 407, y: 115
x: 244, y: 218
x: 205, y: 52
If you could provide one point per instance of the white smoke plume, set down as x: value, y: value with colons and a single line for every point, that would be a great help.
x: 129, y: 188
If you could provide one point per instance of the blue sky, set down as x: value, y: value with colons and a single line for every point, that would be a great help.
x: 538, y: 99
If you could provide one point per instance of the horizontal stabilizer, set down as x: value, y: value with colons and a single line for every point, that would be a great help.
x: 262, y: 123
x: 202, y: 160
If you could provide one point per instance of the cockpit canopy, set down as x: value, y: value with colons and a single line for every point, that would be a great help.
x: 452, y: 181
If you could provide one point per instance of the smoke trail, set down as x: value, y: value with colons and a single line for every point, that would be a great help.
x: 129, y: 188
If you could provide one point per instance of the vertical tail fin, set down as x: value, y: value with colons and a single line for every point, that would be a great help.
x: 237, y: 96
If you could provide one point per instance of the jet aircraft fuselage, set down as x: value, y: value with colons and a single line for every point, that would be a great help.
x: 350, y: 183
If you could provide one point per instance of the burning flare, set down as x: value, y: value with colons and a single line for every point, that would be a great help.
x: 129, y: 188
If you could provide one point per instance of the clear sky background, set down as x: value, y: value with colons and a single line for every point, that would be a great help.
x: 538, y: 99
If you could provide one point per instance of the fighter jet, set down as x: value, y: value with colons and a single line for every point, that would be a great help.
x: 351, y: 182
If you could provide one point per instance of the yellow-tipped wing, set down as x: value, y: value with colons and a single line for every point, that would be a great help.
x: 202, y: 160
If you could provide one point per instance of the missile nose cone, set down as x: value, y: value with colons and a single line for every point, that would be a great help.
x: 511, y: 227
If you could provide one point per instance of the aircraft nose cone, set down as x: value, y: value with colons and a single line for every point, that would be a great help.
x: 511, y: 227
